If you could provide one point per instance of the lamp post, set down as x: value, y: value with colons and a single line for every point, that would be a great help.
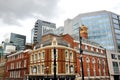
x: 55, y: 64
x: 81, y: 52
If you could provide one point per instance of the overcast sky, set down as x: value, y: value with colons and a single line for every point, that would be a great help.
x: 19, y: 16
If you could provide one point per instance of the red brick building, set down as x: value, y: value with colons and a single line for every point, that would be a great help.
x: 42, y: 59
x: 68, y: 62
x: 94, y: 61
x: 94, y: 58
x: 17, y: 65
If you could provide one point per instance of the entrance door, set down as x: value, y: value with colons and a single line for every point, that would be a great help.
x: 116, y: 77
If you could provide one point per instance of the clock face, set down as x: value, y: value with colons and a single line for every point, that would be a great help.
x: 34, y: 69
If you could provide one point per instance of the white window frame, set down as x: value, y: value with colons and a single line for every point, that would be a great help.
x: 71, y: 69
x: 71, y: 56
x: 66, y: 55
x: 67, y: 68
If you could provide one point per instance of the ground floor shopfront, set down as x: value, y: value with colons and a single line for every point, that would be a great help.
x: 13, y: 79
x: 114, y: 77
x: 94, y: 78
x: 50, y: 77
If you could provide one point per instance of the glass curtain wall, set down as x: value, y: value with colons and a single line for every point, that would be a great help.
x: 99, y: 29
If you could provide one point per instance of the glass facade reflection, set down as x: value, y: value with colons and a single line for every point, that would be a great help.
x: 99, y: 29
x: 18, y: 40
x: 116, y: 26
x: 103, y: 28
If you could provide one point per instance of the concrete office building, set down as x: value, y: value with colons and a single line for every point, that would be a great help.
x: 32, y: 35
x: 103, y: 28
x: 113, y: 59
x: 41, y: 28
x: 7, y: 48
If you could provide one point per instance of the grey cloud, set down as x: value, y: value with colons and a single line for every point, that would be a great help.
x: 13, y: 10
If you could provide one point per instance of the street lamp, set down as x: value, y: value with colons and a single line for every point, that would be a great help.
x: 81, y: 53
x: 55, y: 64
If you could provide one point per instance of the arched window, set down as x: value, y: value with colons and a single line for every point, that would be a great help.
x: 93, y: 60
x: 87, y: 60
x: 66, y: 68
x: 35, y: 56
x: 66, y: 54
x: 88, y: 66
x: 34, y: 69
x: 32, y: 57
x: 39, y: 55
x: 38, y: 68
x: 93, y: 65
x: 98, y: 63
x: 71, y: 55
x: 43, y: 69
x: 43, y: 55
x: 103, y: 64
x: 71, y: 69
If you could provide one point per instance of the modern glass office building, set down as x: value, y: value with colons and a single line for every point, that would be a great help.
x: 103, y: 28
x: 18, y: 40
x: 41, y: 28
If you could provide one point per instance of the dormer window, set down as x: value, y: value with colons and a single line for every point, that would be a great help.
x: 54, y: 42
